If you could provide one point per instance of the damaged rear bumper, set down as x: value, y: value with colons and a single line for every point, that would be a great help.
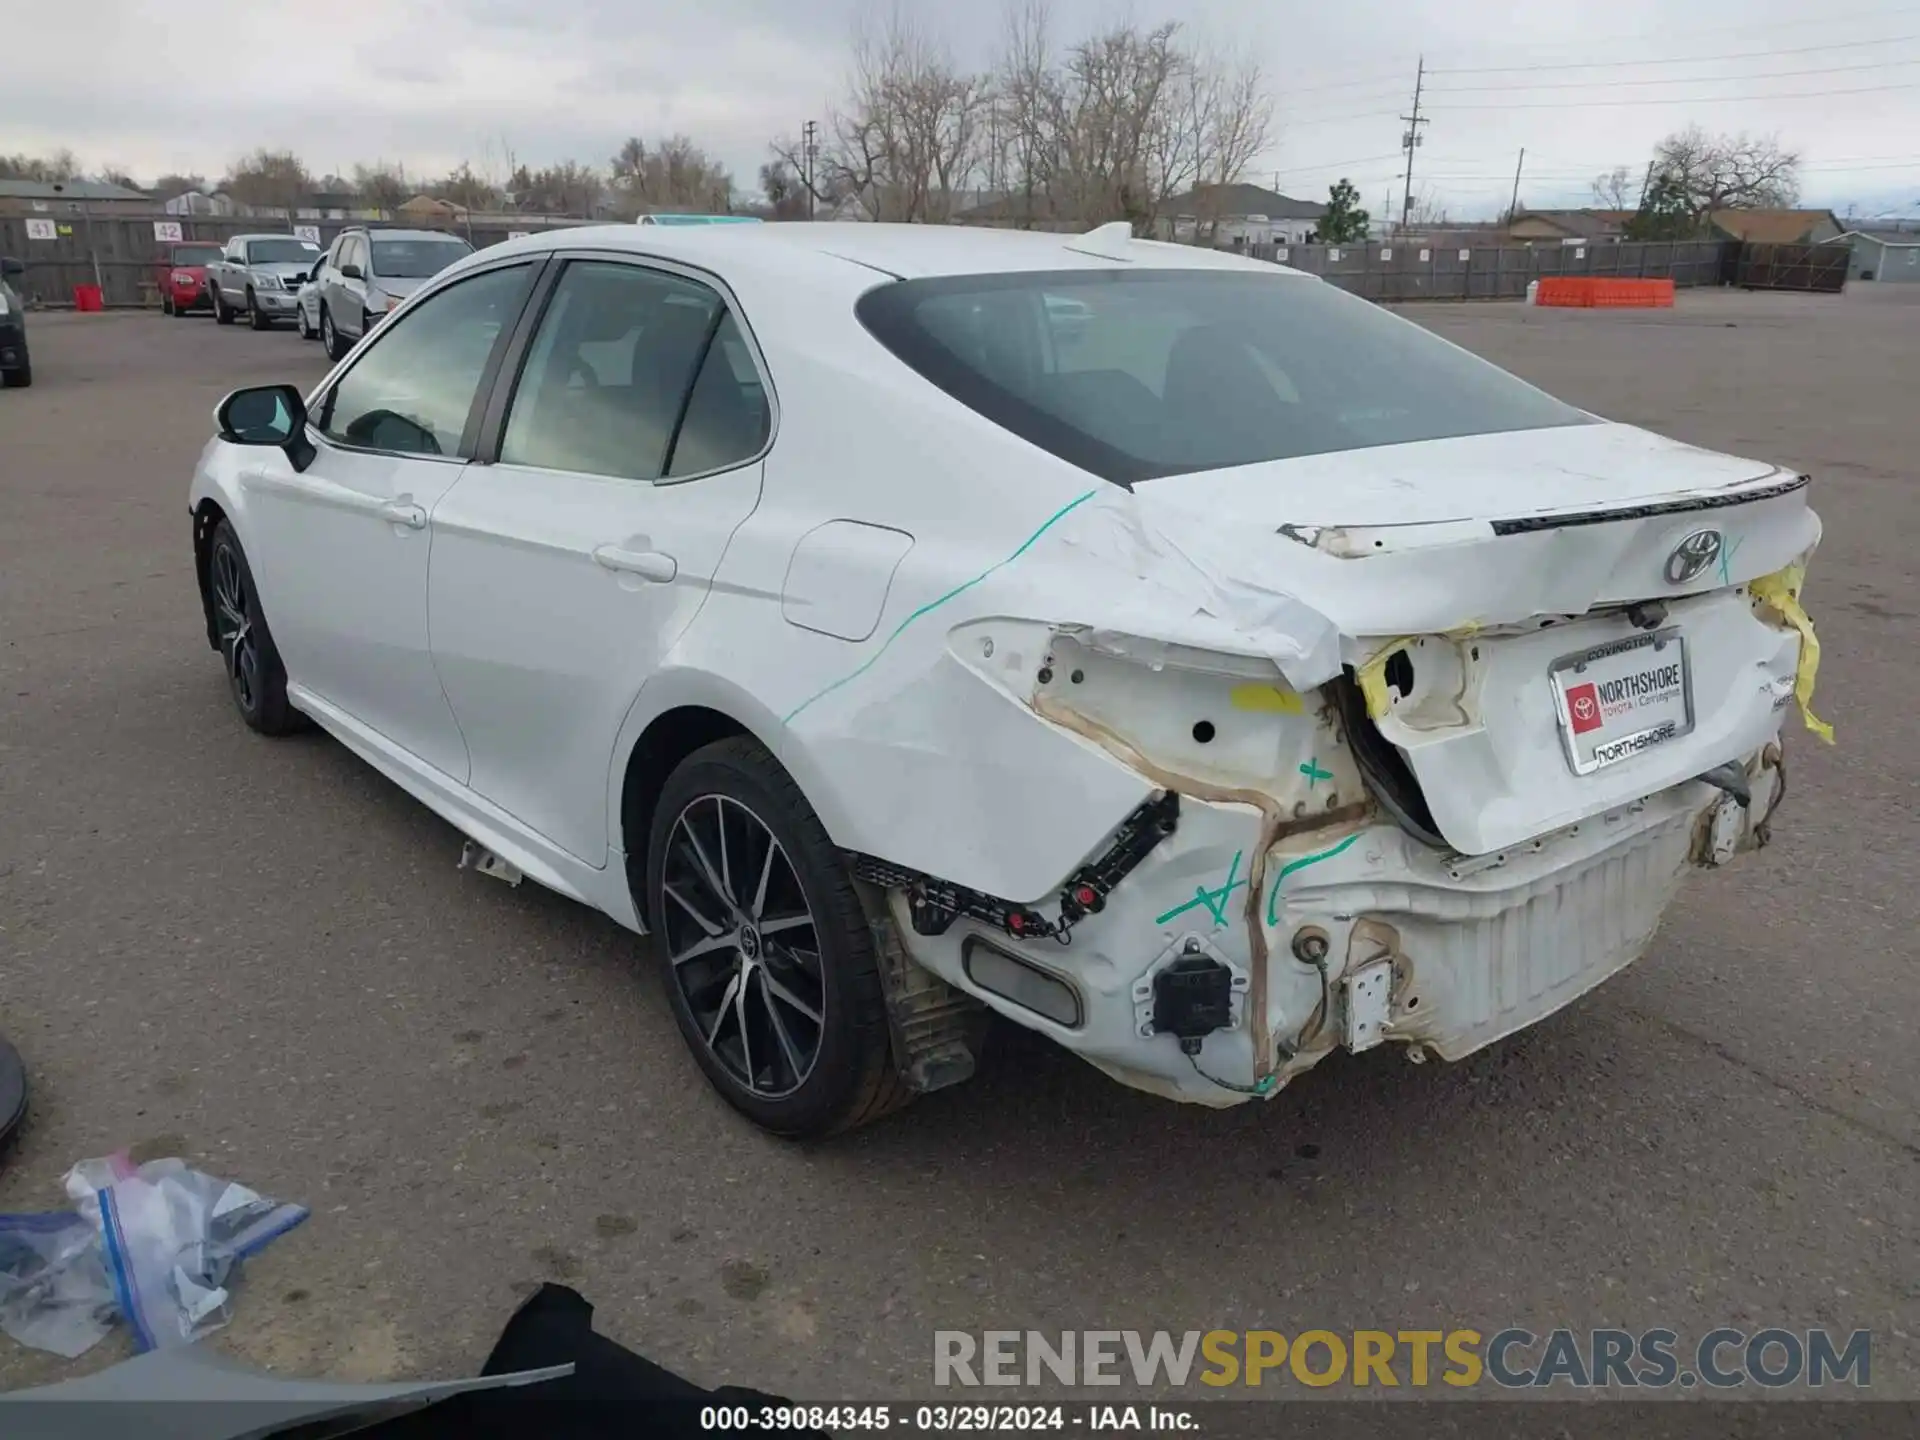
x: 1348, y: 934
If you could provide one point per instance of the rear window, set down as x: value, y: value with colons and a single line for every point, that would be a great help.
x: 1134, y: 375
x: 195, y: 254
x: 277, y: 252
x: 416, y: 259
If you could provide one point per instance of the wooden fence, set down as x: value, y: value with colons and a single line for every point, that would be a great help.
x: 1418, y: 270
x: 122, y: 253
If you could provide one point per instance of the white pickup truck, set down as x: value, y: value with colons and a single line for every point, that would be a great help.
x: 259, y: 276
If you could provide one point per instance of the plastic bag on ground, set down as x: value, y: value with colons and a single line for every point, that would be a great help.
x: 54, y: 1293
x: 155, y: 1244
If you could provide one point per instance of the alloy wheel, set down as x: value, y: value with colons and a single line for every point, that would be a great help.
x: 238, y: 648
x: 743, y: 946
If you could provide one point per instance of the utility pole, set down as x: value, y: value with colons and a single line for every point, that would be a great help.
x: 1411, y: 139
x: 1646, y: 184
x: 809, y: 147
x: 1513, y: 205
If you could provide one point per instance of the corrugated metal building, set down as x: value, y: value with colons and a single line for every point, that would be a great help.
x: 1885, y: 252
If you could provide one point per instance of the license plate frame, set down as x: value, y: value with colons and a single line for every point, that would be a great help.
x: 1590, y: 747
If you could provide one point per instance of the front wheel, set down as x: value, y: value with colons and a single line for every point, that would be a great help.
x: 221, y: 314
x: 18, y: 379
x: 300, y: 325
x: 256, y: 318
x: 254, y: 673
x: 166, y: 305
x: 330, y: 337
x: 765, y: 949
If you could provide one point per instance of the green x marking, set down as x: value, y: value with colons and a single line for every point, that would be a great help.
x: 1313, y: 772
x: 1215, y: 901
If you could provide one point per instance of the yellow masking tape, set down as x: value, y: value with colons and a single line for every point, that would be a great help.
x: 1372, y: 678
x: 1269, y: 698
x: 1781, y: 590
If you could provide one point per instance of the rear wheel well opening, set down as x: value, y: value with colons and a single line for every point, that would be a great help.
x: 668, y: 740
x: 206, y: 519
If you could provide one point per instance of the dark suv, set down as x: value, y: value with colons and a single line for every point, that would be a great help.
x: 16, y: 368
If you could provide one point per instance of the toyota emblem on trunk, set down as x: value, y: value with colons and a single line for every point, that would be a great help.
x: 1692, y: 555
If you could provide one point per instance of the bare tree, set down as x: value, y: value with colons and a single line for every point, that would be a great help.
x: 1728, y: 172
x: 270, y: 180
x: 672, y: 174
x: 910, y: 137
x: 1225, y: 113
x: 1022, y: 146
x: 384, y: 187
x: 57, y: 167
x: 568, y: 188
x: 785, y: 190
x: 466, y: 189
x: 1618, y: 189
x: 172, y: 184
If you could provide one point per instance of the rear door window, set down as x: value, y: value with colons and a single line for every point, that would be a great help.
x: 622, y: 354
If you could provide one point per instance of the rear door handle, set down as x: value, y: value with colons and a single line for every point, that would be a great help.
x: 403, y: 512
x: 647, y: 564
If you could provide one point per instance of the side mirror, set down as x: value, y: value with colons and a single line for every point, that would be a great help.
x: 350, y: 271
x: 12, y: 268
x: 272, y: 415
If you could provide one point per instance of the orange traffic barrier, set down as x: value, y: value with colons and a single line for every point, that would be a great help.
x: 1588, y: 292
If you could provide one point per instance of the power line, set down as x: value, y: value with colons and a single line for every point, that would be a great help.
x: 1883, y: 12
x: 1678, y: 60
x: 1682, y: 79
x: 1682, y: 100
x: 1336, y: 164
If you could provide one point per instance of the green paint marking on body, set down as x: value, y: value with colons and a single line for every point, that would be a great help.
x: 1273, y: 895
x: 932, y: 605
x: 1313, y: 772
x: 1215, y: 901
x: 1727, y: 553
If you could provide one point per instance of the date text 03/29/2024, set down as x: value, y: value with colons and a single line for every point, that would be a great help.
x: 942, y: 1419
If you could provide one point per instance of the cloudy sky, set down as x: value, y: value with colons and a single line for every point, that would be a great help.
x: 432, y: 82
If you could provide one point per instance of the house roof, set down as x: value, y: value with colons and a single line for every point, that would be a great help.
x: 1238, y: 200
x: 1894, y: 232
x: 67, y: 190
x: 1579, y: 222
x: 1892, y: 239
x: 1771, y: 227
x: 1013, y: 207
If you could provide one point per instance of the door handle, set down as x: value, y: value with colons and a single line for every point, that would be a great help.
x: 647, y: 564
x: 404, y: 512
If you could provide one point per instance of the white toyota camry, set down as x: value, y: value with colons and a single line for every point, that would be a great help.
x: 1161, y: 649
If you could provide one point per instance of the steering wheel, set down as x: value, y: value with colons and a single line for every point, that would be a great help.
x: 580, y: 368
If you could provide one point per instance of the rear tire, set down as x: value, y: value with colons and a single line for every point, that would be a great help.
x: 166, y: 305
x: 777, y: 988
x: 255, y: 676
x: 18, y: 379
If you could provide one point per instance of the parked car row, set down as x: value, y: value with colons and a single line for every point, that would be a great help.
x: 334, y: 295
x: 16, y: 368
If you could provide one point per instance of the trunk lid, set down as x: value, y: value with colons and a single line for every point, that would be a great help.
x: 1487, y: 585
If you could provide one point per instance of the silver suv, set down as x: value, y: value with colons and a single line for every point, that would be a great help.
x: 369, y: 271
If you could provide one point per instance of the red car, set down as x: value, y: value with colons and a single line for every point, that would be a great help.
x: 182, y: 276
